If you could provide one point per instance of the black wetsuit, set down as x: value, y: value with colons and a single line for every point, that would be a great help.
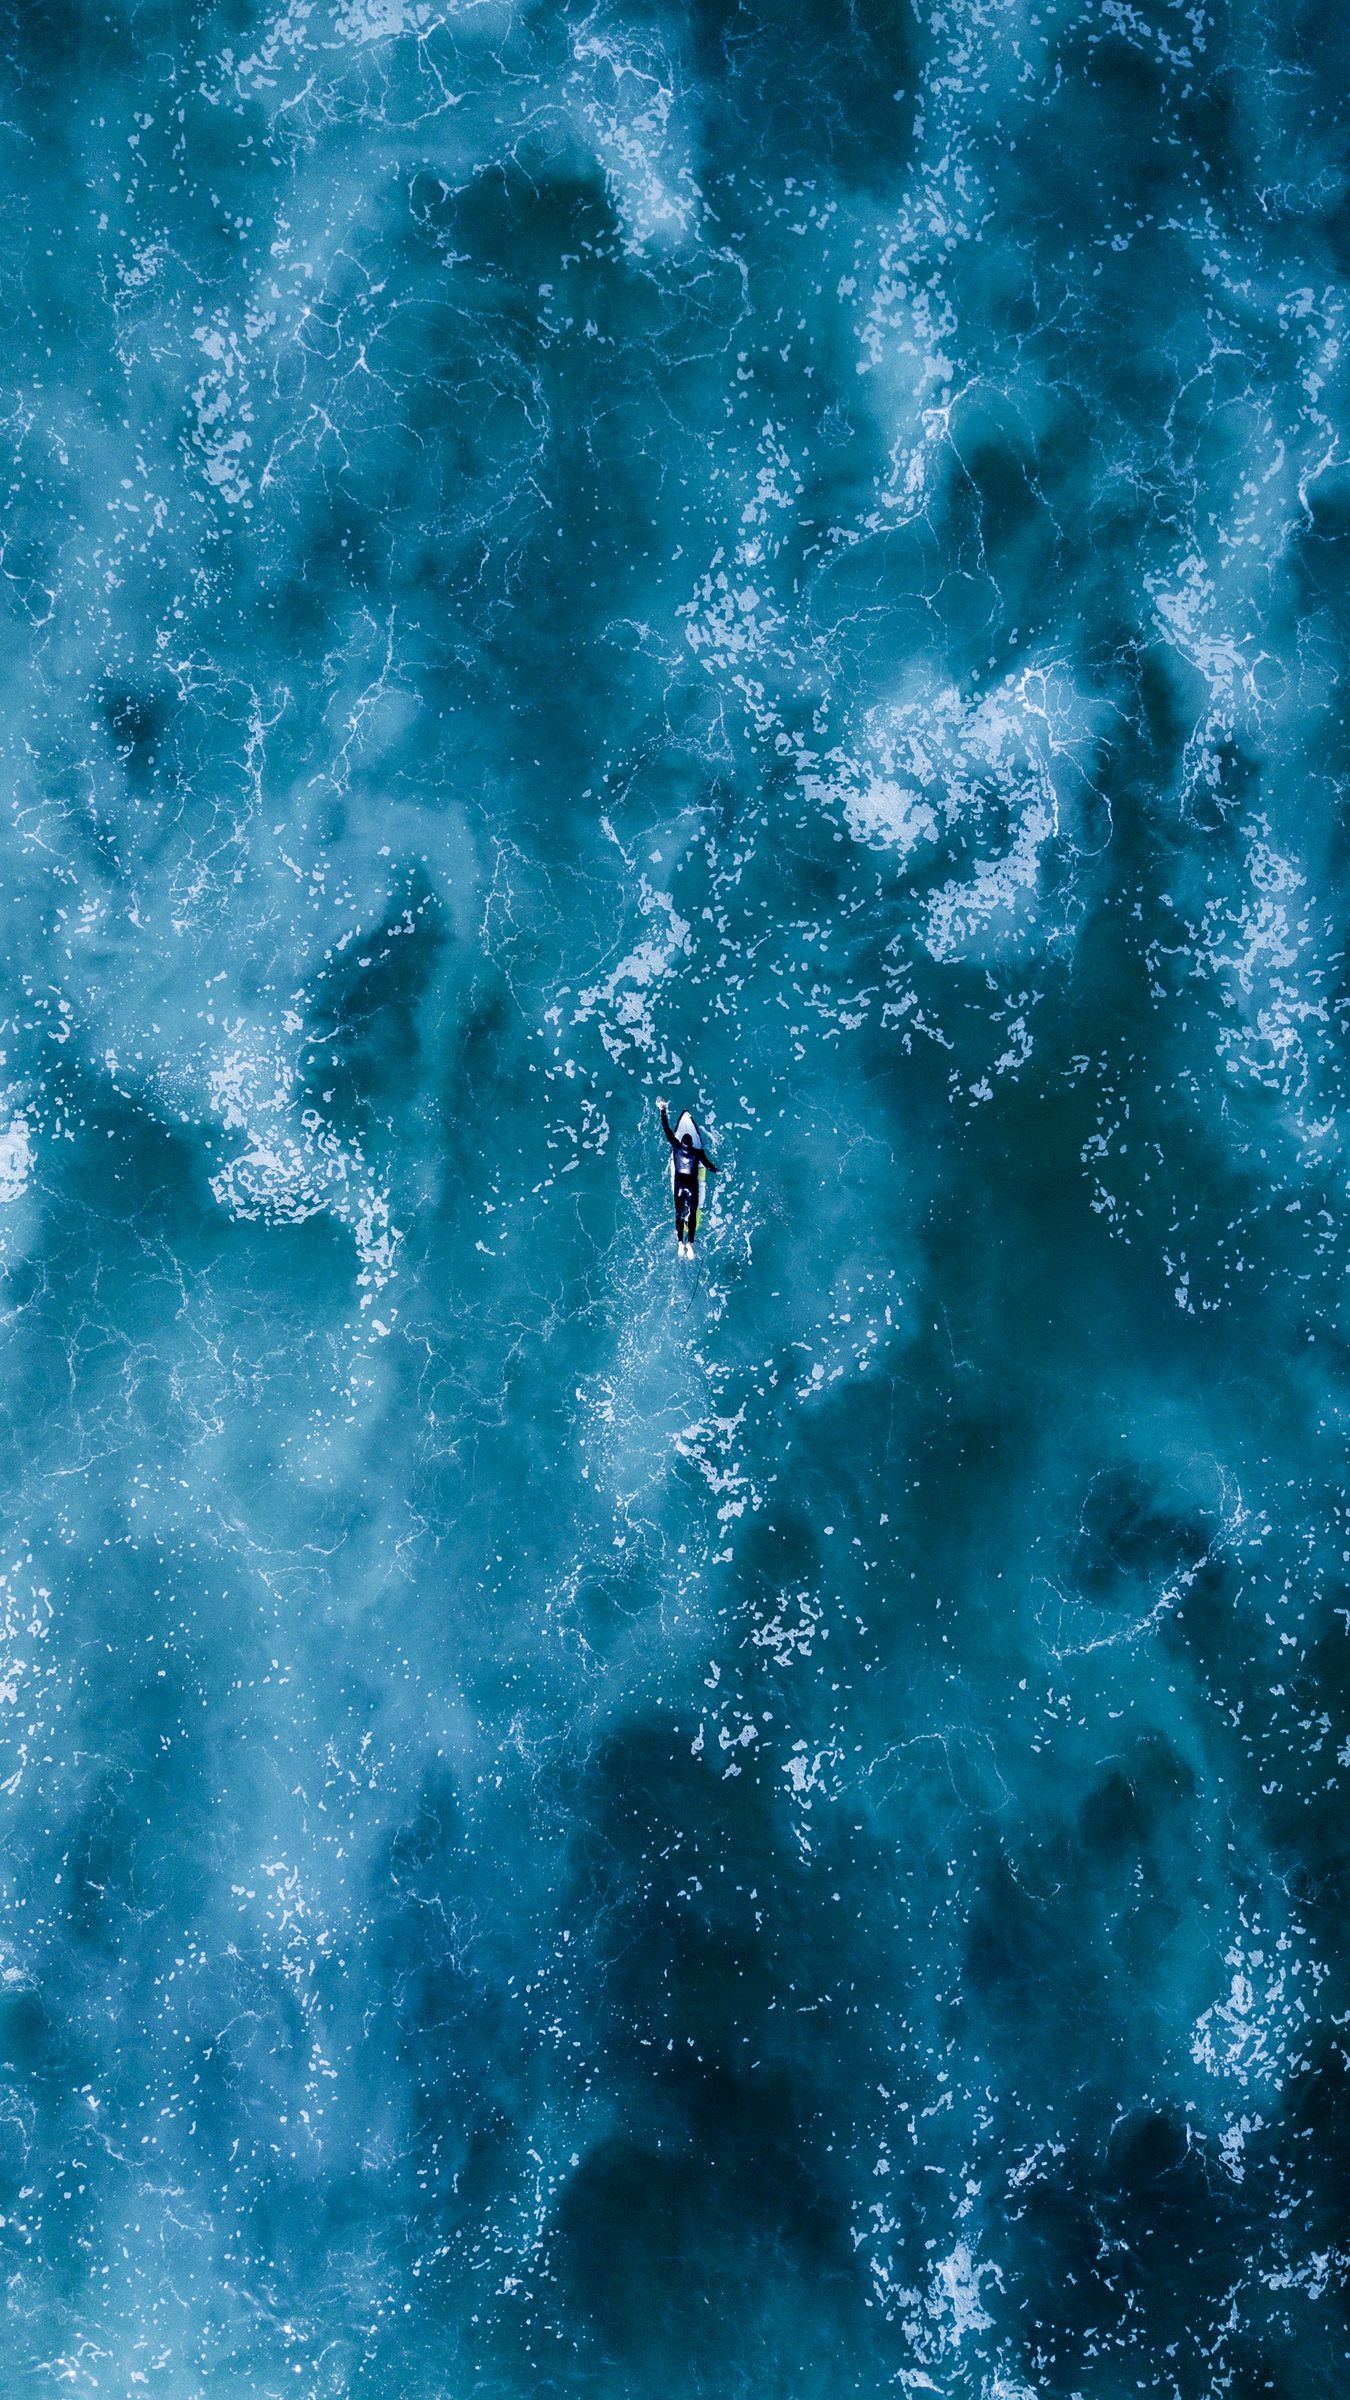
x: 688, y: 1159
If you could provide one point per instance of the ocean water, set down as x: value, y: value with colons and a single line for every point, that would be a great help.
x: 575, y: 1824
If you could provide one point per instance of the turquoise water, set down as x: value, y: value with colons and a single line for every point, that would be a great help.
x: 573, y: 1823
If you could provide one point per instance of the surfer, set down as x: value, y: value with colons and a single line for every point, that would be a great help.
x: 687, y: 1162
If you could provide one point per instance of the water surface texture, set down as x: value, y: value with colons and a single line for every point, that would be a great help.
x: 573, y: 1824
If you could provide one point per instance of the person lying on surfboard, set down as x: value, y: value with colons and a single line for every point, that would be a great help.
x: 688, y: 1160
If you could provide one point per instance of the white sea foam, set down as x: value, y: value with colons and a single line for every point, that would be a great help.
x: 1251, y: 2036
x: 293, y: 1165
x: 626, y: 95
x: 16, y: 1159
x: 623, y: 1002
x: 955, y: 2299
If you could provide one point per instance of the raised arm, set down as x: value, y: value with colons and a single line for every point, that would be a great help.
x: 665, y: 1126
